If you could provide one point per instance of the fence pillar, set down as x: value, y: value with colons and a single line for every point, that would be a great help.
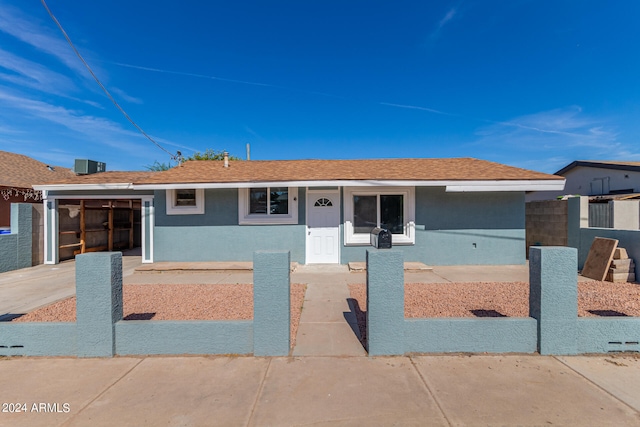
x: 98, y: 302
x: 271, y: 303
x: 553, y: 298
x: 385, y: 302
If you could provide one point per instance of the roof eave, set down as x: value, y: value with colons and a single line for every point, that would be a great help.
x: 451, y: 185
x: 600, y: 165
x: 80, y: 187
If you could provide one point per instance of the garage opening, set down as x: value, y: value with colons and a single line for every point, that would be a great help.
x: 96, y: 225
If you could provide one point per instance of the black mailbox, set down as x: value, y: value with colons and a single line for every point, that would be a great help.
x: 381, y: 238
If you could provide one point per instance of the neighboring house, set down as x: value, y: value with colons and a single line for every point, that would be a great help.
x: 596, y: 178
x: 440, y: 211
x: 17, y: 175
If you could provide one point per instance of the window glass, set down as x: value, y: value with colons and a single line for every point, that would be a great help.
x: 365, y: 216
x: 323, y: 202
x: 392, y: 213
x: 258, y: 201
x: 279, y: 201
x: 186, y: 197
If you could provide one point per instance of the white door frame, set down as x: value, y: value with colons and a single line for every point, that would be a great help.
x: 311, y: 199
x: 51, y: 230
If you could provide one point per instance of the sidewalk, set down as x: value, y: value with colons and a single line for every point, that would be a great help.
x: 509, y: 390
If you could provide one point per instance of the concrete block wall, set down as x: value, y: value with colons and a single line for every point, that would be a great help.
x: 553, y: 298
x: 99, y: 304
x: 546, y: 223
x: 16, y: 248
x: 99, y: 330
x: 385, y: 302
x: 271, y: 303
x: 37, y: 233
x: 389, y: 333
x: 552, y: 328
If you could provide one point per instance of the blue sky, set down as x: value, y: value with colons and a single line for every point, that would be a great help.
x: 534, y: 84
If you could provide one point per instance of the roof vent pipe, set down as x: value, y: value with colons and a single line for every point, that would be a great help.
x: 226, y: 159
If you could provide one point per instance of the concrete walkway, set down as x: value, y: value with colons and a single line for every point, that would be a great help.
x: 328, y: 325
x: 445, y: 390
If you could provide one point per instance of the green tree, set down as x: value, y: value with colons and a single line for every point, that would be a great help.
x: 157, y: 166
x: 210, y: 154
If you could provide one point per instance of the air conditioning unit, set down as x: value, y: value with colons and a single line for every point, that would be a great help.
x: 87, y: 167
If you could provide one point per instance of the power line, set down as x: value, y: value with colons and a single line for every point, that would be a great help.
x: 104, y: 89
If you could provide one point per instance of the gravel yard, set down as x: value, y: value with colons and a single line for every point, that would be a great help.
x: 177, y: 302
x: 499, y: 299
x: 502, y: 299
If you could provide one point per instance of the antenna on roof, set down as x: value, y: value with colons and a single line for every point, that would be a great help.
x: 179, y: 157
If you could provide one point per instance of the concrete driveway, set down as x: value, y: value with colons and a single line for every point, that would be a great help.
x: 24, y: 290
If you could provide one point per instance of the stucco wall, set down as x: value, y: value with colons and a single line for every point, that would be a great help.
x: 588, y: 181
x: 216, y: 235
x: 462, y: 228
x: 451, y: 229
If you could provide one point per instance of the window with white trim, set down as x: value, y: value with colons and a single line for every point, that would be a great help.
x: 185, y: 201
x: 392, y: 208
x: 268, y: 205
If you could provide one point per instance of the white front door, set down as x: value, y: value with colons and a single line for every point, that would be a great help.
x: 323, y: 227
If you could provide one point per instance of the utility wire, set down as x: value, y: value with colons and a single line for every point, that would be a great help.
x: 124, y: 113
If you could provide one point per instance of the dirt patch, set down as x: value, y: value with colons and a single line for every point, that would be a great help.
x: 177, y: 302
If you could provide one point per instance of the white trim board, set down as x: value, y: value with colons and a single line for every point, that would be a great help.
x: 451, y: 186
x: 483, y: 185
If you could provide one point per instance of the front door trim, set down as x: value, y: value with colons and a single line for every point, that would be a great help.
x: 312, y: 196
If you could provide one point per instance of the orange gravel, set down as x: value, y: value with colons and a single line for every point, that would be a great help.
x: 502, y: 299
x: 177, y: 302
x: 498, y: 299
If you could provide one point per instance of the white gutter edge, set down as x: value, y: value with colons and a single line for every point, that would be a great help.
x: 76, y: 187
x: 451, y: 186
x: 506, y: 187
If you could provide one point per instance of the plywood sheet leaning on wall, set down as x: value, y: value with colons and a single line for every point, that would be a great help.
x: 600, y: 255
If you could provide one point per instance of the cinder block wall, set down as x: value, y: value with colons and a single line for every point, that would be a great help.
x: 37, y: 230
x: 546, y: 223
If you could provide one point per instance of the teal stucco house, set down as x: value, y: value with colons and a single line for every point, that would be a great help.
x: 439, y: 211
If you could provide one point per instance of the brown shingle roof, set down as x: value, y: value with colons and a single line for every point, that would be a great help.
x: 211, y: 171
x: 20, y: 171
x: 113, y: 177
x: 458, y: 169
